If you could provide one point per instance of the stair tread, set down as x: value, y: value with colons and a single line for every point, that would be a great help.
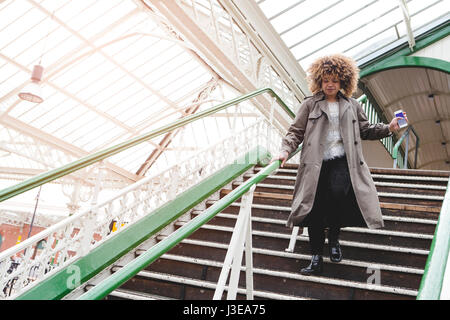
x: 388, y: 205
x: 136, y: 295
x: 297, y: 276
x: 282, y: 176
x: 212, y: 285
x: 392, y: 171
x: 307, y: 257
x: 274, y: 195
x: 436, y: 173
x: 305, y: 238
x: 377, y: 183
x: 352, y: 229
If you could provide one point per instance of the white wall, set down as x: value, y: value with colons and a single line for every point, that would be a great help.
x: 376, y: 155
x: 438, y: 50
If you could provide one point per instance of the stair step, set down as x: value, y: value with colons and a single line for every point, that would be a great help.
x: 121, y: 294
x: 377, y: 183
x: 290, y: 283
x: 282, y: 171
x: 385, y: 205
x: 410, y: 178
x: 283, y: 175
x: 410, y: 172
x: 299, y: 256
x: 443, y: 175
x: 283, y: 221
x: 380, y: 232
x: 380, y: 193
x: 395, y: 217
x: 263, y: 221
x: 376, y: 253
x: 188, y: 288
x: 355, y: 230
x: 352, y: 270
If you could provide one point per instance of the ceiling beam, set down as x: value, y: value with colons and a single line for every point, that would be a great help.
x: 59, y: 144
x: 168, y: 138
x: 262, y: 32
x: 218, y: 57
x: 407, y: 21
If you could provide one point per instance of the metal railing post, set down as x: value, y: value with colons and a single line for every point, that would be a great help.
x: 405, y: 160
x: 292, y: 239
x: 415, y: 153
x: 249, y: 255
x: 233, y: 258
x: 397, y: 146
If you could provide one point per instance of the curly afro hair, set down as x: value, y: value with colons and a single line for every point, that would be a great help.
x: 344, y: 68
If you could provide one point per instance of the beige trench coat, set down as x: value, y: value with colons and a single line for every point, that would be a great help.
x: 310, y: 126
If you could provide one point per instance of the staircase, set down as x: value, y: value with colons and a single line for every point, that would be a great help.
x: 385, y: 263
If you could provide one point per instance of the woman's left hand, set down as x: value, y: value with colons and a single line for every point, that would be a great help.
x: 393, y: 126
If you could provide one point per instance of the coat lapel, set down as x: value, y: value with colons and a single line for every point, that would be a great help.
x: 322, y: 103
x: 324, y: 107
x: 344, y: 104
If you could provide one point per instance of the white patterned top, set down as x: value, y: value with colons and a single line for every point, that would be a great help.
x: 334, y: 145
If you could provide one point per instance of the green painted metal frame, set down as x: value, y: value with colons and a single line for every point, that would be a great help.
x: 374, y: 117
x: 57, y: 286
x: 399, y: 142
x: 433, y: 277
x: 408, y: 62
x: 106, y: 153
x: 422, y: 41
x: 128, y: 271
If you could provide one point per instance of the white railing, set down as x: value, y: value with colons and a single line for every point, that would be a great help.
x: 242, y: 237
x: 220, y: 25
x: 78, y: 234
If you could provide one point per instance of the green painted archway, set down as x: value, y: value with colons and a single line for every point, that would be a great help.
x: 408, y: 62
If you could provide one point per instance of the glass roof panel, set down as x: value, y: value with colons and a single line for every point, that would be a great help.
x: 423, y: 12
x: 312, y: 28
x: 110, y: 72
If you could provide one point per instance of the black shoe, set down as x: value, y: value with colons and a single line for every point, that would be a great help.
x: 315, y: 267
x: 335, y: 251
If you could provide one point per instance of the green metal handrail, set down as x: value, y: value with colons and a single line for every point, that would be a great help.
x: 106, y: 153
x: 128, y: 271
x: 374, y: 117
x: 433, y: 277
x: 399, y: 142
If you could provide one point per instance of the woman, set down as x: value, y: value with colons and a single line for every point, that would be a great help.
x: 333, y: 188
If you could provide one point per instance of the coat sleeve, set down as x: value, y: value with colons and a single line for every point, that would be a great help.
x: 370, y: 131
x: 296, y: 131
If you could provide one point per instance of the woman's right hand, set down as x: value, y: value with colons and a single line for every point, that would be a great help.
x: 282, y: 156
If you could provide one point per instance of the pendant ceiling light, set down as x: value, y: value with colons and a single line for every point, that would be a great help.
x: 33, y: 91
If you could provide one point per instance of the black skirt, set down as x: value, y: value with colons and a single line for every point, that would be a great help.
x: 335, y: 202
